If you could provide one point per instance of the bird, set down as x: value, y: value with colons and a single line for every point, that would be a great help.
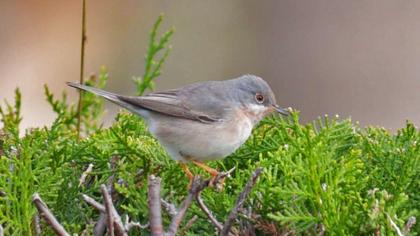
x: 202, y: 121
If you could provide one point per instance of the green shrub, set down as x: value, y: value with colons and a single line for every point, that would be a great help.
x: 326, y: 177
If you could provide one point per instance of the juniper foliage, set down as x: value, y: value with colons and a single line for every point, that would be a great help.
x: 326, y: 177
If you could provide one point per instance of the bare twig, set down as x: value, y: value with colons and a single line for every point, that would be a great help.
x: 108, y: 210
x: 155, y: 214
x: 169, y: 207
x: 188, y: 225
x: 37, y: 223
x: 100, y: 225
x: 395, y: 226
x: 210, y: 215
x: 1, y: 230
x: 120, y: 228
x: 129, y: 224
x: 246, y: 222
x: 218, y: 181
x: 82, y: 178
x: 410, y: 223
x: 197, y: 186
x: 48, y: 216
x: 82, y: 68
x: 94, y: 203
x: 177, y: 219
x: 113, y: 218
x: 240, y: 201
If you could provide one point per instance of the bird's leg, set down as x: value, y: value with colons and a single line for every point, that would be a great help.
x: 213, y: 172
x: 188, y: 173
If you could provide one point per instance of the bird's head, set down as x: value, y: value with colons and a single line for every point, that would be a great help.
x: 255, y: 97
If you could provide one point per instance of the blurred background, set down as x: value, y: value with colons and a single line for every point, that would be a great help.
x: 358, y: 59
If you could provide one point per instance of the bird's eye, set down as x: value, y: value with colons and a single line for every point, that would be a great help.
x: 259, y: 98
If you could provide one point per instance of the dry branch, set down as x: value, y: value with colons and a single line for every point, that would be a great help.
x: 45, y: 213
x: 94, y: 203
x: 85, y: 173
x: 210, y: 215
x: 240, y: 201
x: 197, y: 186
x: 119, y: 227
x: 155, y: 204
x: 129, y: 224
x: 188, y: 225
x: 155, y: 213
x: 114, y: 219
x: 169, y: 207
x: 108, y: 210
x: 37, y: 223
x: 410, y: 223
x: 100, y: 225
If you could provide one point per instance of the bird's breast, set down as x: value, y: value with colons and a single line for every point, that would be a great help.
x: 194, y: 140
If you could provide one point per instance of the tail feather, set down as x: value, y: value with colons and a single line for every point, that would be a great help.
x: 115, y: 98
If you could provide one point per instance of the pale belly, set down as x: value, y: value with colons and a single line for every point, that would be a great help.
x: 186, y: 140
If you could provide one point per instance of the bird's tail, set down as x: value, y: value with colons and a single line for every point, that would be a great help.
x: 115, y: 98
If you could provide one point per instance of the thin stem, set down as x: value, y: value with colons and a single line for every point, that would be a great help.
x: 45, y: 213
x: 108, y: 210
x: 240, y: 201
x: 210, y: 215
x: 82, y: 68
x: 94, y: 203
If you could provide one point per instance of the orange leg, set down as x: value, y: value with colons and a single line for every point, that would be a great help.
x: 210, y: 170
x: 188, y: 173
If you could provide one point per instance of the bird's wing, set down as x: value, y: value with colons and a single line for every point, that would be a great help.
x: 187, y: 102
x: 172, y: 103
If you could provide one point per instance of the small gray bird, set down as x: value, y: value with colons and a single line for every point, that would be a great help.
x: 202, y: 121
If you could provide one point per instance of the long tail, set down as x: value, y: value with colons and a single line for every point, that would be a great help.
x: 115, y: 98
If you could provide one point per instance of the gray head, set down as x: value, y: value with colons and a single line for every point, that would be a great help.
x: 254, y: 95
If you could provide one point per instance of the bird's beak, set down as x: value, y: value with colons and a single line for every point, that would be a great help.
x: 283, y: 111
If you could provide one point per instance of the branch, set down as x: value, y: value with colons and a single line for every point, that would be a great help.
x: 129, y: 224
x: 122, y: 229
x: 37, y: 223
x: 155, y: 214
x: 188, y: 225
x: 113, y: 218
x: 82, y: 178
x: 410, y: 223
x: 210, y: 215
x: 94, y: 203
x: 48, y: 216
x: 1, y: 230
x: 395, y: 226
x: 100, y: 226
x: 218, y: 181
x: 108, y: 210
x: 197, y: 186
x: 169, y: 207
x: 240, y: 201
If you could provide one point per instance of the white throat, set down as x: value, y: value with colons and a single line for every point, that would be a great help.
x: 256, y: 112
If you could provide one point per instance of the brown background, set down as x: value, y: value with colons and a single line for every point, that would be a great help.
x: 353, y: 58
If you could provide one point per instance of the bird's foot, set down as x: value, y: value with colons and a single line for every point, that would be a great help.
x: 218, y: 181
x: 188, y: 174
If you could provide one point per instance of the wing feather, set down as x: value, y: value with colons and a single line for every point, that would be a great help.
x: 169, y: 103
